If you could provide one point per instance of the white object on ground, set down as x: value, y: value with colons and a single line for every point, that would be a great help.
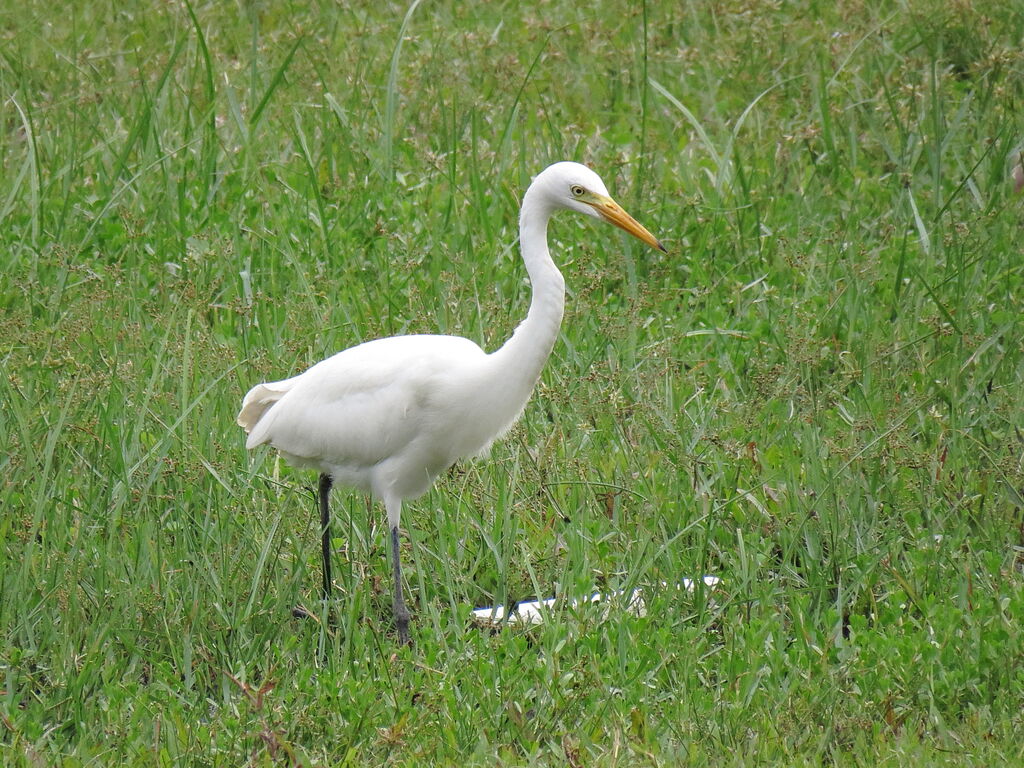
x: 533, y: 611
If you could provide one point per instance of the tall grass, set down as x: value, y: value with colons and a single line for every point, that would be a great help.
x: 814, y: 396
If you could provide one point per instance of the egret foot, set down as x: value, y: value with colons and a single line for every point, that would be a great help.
x: 301, y: 612
x: 402, y: 622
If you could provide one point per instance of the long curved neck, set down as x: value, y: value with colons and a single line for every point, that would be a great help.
x: 521, y: 359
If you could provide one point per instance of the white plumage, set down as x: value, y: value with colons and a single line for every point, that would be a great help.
x: 388, y: 416
x: 379, y: 416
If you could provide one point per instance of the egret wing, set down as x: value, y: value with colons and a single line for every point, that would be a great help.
x: 362, y: 405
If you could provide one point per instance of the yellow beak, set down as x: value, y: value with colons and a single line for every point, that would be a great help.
x: 613, y: 213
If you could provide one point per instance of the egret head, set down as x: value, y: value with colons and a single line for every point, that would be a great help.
x: 576, y: 187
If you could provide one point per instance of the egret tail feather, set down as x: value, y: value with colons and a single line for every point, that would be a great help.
x: 257, y: 402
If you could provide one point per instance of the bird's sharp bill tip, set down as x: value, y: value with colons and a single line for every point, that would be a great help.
x: 661, y: 247
x: 613, y: 213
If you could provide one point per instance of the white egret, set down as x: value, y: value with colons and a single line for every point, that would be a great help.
x: 388, y: 416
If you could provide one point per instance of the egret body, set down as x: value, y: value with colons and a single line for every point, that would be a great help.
x: 390, y: 415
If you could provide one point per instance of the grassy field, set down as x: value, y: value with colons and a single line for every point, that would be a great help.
x: 816, y: 395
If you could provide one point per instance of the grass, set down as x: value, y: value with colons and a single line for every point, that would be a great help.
x: 815, y: 396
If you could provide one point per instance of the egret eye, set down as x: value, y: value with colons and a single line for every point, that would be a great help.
x: 577, y: 190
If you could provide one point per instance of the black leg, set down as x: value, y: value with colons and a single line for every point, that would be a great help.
x: 325, y: 532
x: 401, y: 612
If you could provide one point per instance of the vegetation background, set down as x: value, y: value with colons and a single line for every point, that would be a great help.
x: 816, y: 395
